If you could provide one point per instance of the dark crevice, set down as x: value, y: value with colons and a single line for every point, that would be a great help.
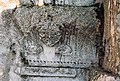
x: 99, y: 34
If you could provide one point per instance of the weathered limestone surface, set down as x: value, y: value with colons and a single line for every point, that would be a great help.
x: 61, y: 2
x: 56, y: 27
x: 54, y: 2
x: 75, y: 2
x: 59, y: 37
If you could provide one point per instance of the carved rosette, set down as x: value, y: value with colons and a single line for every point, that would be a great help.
x: 30, y: 47
x: 50, y: 35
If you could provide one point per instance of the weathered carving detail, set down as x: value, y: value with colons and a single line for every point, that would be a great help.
x: 30, y: 47
x: 63, y: 28
x: 46, y: 71
x: 50, y: 35
x: 72, y: 64
x: 64, y: 50
x: 53, y: 39
x: 75, y: 2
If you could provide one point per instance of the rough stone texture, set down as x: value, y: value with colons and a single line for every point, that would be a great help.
x: 118, y: 17
x: 98, y: 75
x: 112, y: 57
x: 29, y: 2
x: 19, y: 40
x: 75, y: 2
x: 118, y: 28
x: 58, y: 2
x: 59, y: 37
x: 61, y: 2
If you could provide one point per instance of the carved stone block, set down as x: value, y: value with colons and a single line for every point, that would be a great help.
x: 55, y: 39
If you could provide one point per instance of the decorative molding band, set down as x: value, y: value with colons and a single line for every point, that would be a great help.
x: 46, y: 71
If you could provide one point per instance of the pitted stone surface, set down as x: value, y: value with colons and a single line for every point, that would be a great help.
x: 56, y: 37
x: 59, y: 2
x: 52, y: 25
x: 75, y: 2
